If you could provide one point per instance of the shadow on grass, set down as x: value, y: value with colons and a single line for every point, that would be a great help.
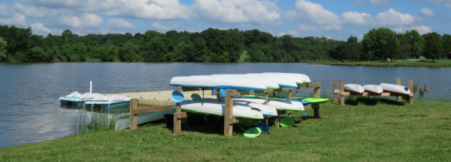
x: 372, y: 101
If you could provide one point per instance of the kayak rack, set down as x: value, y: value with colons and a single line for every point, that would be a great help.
x: 344, y: 93
x: 229, y: 120
x: 315, y: 107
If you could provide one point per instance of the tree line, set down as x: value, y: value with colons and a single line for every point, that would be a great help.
x: 212, y: 45
x: 384, y: 44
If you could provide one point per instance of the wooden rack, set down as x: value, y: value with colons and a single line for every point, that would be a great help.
x: 344, y: 93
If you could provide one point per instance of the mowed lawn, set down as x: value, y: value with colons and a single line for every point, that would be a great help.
x: 414, y: 63
x: 381, y: 132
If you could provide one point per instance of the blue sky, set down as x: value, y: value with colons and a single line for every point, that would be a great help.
x: 299, y: 18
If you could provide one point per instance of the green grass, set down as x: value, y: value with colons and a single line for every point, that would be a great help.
x: 384, y: 132
x: 243, y: 56
x: 420, y: 63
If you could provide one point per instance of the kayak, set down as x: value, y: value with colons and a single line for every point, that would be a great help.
x: 267, y: 110
x: 373, y: 89
x: 303, y: 100
x: 393, y: 88
x: 300, y: 78
x: 270, y: 84
x: 354, y: 88
x: 282, y: 81
x: 278, y: 104
x: 214, y: 82
x: 217, y: 109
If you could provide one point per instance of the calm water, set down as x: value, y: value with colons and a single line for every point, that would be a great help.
x: 30, y: 111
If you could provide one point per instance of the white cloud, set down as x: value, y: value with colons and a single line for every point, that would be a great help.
x: 319, y: 27
x: 328, y: 37
x: 446, y: 3
x: 152, y: 9
x: 387, y: 18
x: 32, y: 11
x: 421, y: 29
x: 160, y: 26
x: 18, y: 20
x: 393, y: 18
x: 119, y: 23
x: 251, y: 12
x: 293, y: 32
x: 372, y: 2
x: 85, y: 20
x: 39, y: 28
x: 355, y: 18
x: 427, y: 12
x: 282, y: 34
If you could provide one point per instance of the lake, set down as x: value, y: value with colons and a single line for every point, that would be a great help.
x: 30, y: 111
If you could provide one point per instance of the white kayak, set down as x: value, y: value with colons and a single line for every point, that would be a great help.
x: 214, y: 82
x: 239, y: 111
x: 299, y: 78
x: 278, y: 104
x: 354, y: 88
x: 267, y: 110
x: 393, y: 88
x: 268, y: 83
x: 123, y: 122
x: 282, y: 81
x: 373, y: 88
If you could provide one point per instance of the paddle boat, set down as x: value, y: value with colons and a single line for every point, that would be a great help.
x: 107, y: 101
x: 76, y: 98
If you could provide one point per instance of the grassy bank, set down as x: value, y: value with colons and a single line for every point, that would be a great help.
x: 385, y: 132
x: 396, y: 63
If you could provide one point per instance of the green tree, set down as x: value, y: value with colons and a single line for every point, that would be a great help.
x: 224, y: 57
x: 351, y: 49
x: 149, y: 35
x: 200, y: 50
x: 446, y: 44
x: 375, y: 44
x: 417, y: 42
x: 3, y: 50
x: 433, y: 49
x: 67, y: 37
x: 405, y: 46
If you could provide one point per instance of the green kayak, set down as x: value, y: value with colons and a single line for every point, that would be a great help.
x: 286, y: 122
x: 311, y: 100
x: 252, y: 132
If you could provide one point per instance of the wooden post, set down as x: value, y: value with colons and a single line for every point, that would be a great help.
x: 342, y: 92
x: 289, y: 95
x: 274, y: 93
x: 316, y: 110
x: 411, y: 88
x: 218, y: 95
x: 266, y: 98
x: 228, y: 114
x: 398, y: 82
x: 335, y: 95
x: 177, y: 122
x: 276, y: 121
x: 316, y: 92
x: 133, y: 116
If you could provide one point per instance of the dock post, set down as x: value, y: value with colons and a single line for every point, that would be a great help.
x: 335, y: 95
x: 228, y: 114
x: 266, y: 98
x: 398, y: 82
x: 316, y: 94
x: 411, y: 88
x: 133, y: 116
x: 342, y: 92
x: 177, y: 122
x: 218, y: 95
x: 289, y: 95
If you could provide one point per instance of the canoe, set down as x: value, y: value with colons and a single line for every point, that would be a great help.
x: 300, y: 78
x: 214, y: 82
x: 268, y: 83
x: 282, y: 81
x: 303, y: 100
x: 267, y: 110
x: 354, y: 88
x: 123, y: 122
x: 278, y: 104
x: 239, y: 111
x: 373, y: 88
x: 393, y: 88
